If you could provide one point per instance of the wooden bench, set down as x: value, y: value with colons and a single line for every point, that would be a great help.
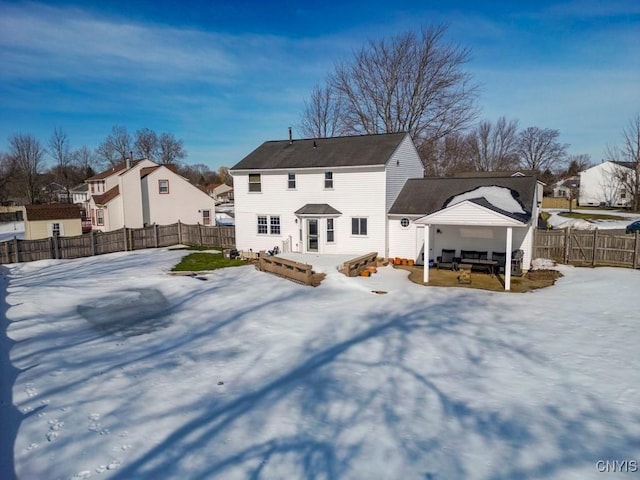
x: 353, y: 267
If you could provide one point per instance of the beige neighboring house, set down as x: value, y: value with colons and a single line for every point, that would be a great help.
x: 140, y: 193
x: 56, y: 219
x: 220, y: 192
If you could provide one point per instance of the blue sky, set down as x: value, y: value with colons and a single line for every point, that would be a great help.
x: 226, y: 76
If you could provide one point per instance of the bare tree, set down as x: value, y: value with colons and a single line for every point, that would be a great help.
x: 627, y: 157
x: 323, y: 114
x: 446, y: 156
x: 6, y: 173
x: 60, y: 151
x: 494, y: 146
x: 85, y: 161
x: 413, y: 82
x: 171, y: 149
x: 539, y: 149
x: 147, y: 144
x: 225, y: 176
x: 27, y: 157
x: 577, y: 163
x: 116, y: 147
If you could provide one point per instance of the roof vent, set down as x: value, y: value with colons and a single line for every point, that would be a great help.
x: 290, y: 136
x: 315, y: 145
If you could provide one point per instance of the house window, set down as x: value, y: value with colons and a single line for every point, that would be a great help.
x: 358, y: 226
x: 275, y: 225
x: 92, y: 188
x: 268, y: 225
x: 163, y: 186
x: 328, y: 179
x: 291, y: 182
x: 404, y: 222
x: 262, y: 225
x: 99, y: 216
x: 255, y: 184
x: 206, y: 217
x: 330, y: 231
x: 623, y: 194
x: 55, y: 229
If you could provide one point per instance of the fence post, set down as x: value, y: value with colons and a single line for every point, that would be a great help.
x: 8, y: 257
x: 56, y: 247
x: 124, y: 229
x: 132, y: 247
x: 179, y: 232
x: 636, y: 250
x: 567, y: 244
x: 16, y: 253
x: 219, y: 230
x: 155, y: 232
x: 93, y: 242
x: 200, y: 234
x: 595, y: 242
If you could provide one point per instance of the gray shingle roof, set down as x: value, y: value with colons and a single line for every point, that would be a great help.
x: 322, y: 152
x: 424, y: 196
x: 317, y: 209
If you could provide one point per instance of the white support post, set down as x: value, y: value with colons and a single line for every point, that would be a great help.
x: 425, y: 277
x: 507, y: 261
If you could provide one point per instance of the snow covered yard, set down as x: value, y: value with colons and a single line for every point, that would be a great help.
x: 127, y: 372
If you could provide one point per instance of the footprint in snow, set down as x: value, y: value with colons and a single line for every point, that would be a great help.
x: 82, y: 475
x: 54, y: 429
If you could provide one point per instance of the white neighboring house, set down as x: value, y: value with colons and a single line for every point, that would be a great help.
x: 220, y: 192
x: 326, y: 195
x: 140, y: 193
x: 602, y: 185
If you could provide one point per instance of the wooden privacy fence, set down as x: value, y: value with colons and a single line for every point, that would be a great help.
x: 124, y: 239
x: 588, y: 247
x: 296, y: 271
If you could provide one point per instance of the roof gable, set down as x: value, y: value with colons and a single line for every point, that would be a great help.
x: 107, y: 196
x: 471, y: 213
x: 354, y: 151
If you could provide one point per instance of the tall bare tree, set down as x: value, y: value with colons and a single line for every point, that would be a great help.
x: 6, y: 172
x: 577, y: 163
x: 85, y: 161
x: 540, y: 150
x: 323, y: 114
x: 116, y: 147
x: 171, y: 149
x: 27, y: 157
x: 627, y: 156
x: 494, y: 146
x: 412, y: 82
x: 60, y: 151
x: 146, y: 144
x: 446, y: 156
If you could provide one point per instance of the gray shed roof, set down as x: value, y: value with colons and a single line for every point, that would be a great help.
x: 322, y: 152
x: 317, y: 209
x: 424, y: 196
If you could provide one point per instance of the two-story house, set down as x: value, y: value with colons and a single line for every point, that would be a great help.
x: 607, y: 184
x: 327, y: 195
x: 139, y: 193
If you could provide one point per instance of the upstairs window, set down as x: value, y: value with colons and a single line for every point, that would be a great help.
x: 291, y: 181
x: 255, y: 184
x: 163, y: 186
x: 328, y: 179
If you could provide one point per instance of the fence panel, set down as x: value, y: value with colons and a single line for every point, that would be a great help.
x: 597, y: 247
x: 98, y: 243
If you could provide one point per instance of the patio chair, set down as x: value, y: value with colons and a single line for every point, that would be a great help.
x: 501, y: 258
x: 447, y: 260
x: 516, y: 263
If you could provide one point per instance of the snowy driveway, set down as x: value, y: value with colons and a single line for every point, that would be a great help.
x: 251, y: 376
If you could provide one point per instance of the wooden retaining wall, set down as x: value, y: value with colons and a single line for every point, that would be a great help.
x: 588, y: 247
x: 296, y: 271
x: 352, y: 268
x: 124, y: 239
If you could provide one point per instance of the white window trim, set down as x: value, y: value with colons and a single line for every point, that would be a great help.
x: 359, y: 235
x: 330, y: 242
x: 295, y: 181
x: 249, y: 183
x: 325, y: 180
x: 268, y: 225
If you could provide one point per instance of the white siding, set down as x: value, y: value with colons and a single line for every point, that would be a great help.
x: 406, y: 242
x: 468, y: 213
x: 405, y: 163
x: 131, y: 191
x: 357, y: 192
x: 600, y: 184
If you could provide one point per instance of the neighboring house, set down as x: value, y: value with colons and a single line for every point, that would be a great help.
x: 495, y: 215
x: 602, y: 185
x: 139, y: 193
x: 220, y: 192
x: 80, y: 194
x: 56, y: 219
x: 327, y: 195
x: 566, y: 188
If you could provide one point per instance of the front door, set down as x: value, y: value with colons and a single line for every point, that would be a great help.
x: 312, y: 235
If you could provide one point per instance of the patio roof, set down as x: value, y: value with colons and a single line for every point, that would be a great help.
x: 474, y: 212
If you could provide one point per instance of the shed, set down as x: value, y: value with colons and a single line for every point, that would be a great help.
x: 56, y: 219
